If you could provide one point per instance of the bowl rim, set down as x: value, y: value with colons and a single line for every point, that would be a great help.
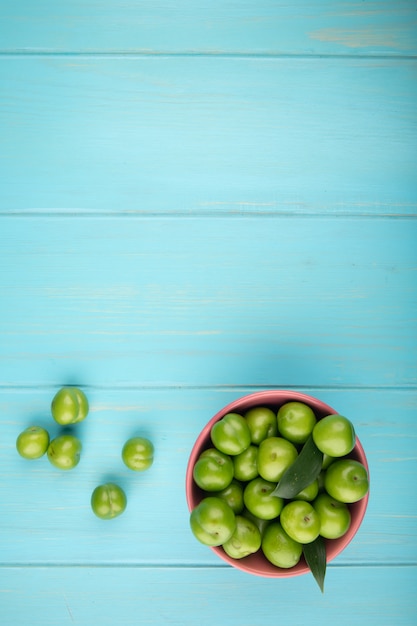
x: 274, y: 397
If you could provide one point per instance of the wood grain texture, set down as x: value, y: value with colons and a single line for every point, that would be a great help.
x: 236, y: 301
x: 334, y: 27
x: 187, y: 596
x: 197, y: 200
x: 208, y: 135
x: 46, y: 516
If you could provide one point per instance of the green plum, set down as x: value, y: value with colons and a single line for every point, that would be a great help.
x: 212, y: 521
x: 346, y: 480
x: 320, y: 480
x: 334, y: 516
x: 64, y: 451
x: 334, y: 435
x: 300, y: 521
x: 262, y: 423
x: 69, y: 406
x: 213, y: 470
x: 259, y: 501
x: 279, y: 548
x: 231, y: 434
x: 245, y: 464
x: 33, y: 442
x: 309, y: 493
x: 108, y: 501
x: 275, y: 455
x: 327, y: 460
x: 245, y: 540
x: 296, y: 421
x: 233, y: 495
x: 260, y: 523
x: 138, y: 453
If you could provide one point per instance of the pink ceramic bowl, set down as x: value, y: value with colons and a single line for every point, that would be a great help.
x: 257, y: 564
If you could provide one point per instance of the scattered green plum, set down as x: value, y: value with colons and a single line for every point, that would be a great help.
x: 33, y: 442
x: 69, y: 406
x: 108, y: 501
x: 138, y: 454
x: 64, y: 451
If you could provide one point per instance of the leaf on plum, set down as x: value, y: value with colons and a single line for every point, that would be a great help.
x: 305, y: 469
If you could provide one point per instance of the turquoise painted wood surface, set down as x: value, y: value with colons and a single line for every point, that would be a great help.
x: 333, y: 27
x: 203, y: 595
x: 199, y: 200
x: 205, y: 301
x: 209, y: 135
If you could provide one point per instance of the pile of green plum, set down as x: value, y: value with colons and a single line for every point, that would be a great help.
x: 249, y: 477
x: 69, y: 407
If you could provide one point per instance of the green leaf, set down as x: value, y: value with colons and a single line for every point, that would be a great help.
x: 315, y: 556
x: 305, y: 469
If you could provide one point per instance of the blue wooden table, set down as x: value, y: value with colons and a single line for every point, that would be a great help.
x: 200, y: 199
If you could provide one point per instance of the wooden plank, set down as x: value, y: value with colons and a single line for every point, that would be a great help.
x: 86, y: 596
x: 231, y: 301
x: 46, y: 517
x: 219, y: 26
x: 169, y: 135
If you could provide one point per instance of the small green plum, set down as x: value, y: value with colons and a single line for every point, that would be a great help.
x: 138, y: 454
x: 245, y: 464
x: 279, y: 548
x: 296, y: 421
x: 346, y: 480
x: 259, y: 501
x: 261, y: 524
x: 212, y: 521
x: 275, y: 455
x: 327, y: 460
x: 334, y: 435
x: 309, y: 493
x: 245, y: 540
x: 232, y: 494
x: 108, y: 501
x: 33, y: 442
x: 213, y: 470
x: 64, y: 451
x: 262, y: 423
x: 69, y: 406
x: 300, y: 521
x: 334, y: 516
x: 231, y: 434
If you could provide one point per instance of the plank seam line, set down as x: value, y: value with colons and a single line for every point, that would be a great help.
x: 202, y: 54
x: 202, y: 214
x: 214, y: 387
